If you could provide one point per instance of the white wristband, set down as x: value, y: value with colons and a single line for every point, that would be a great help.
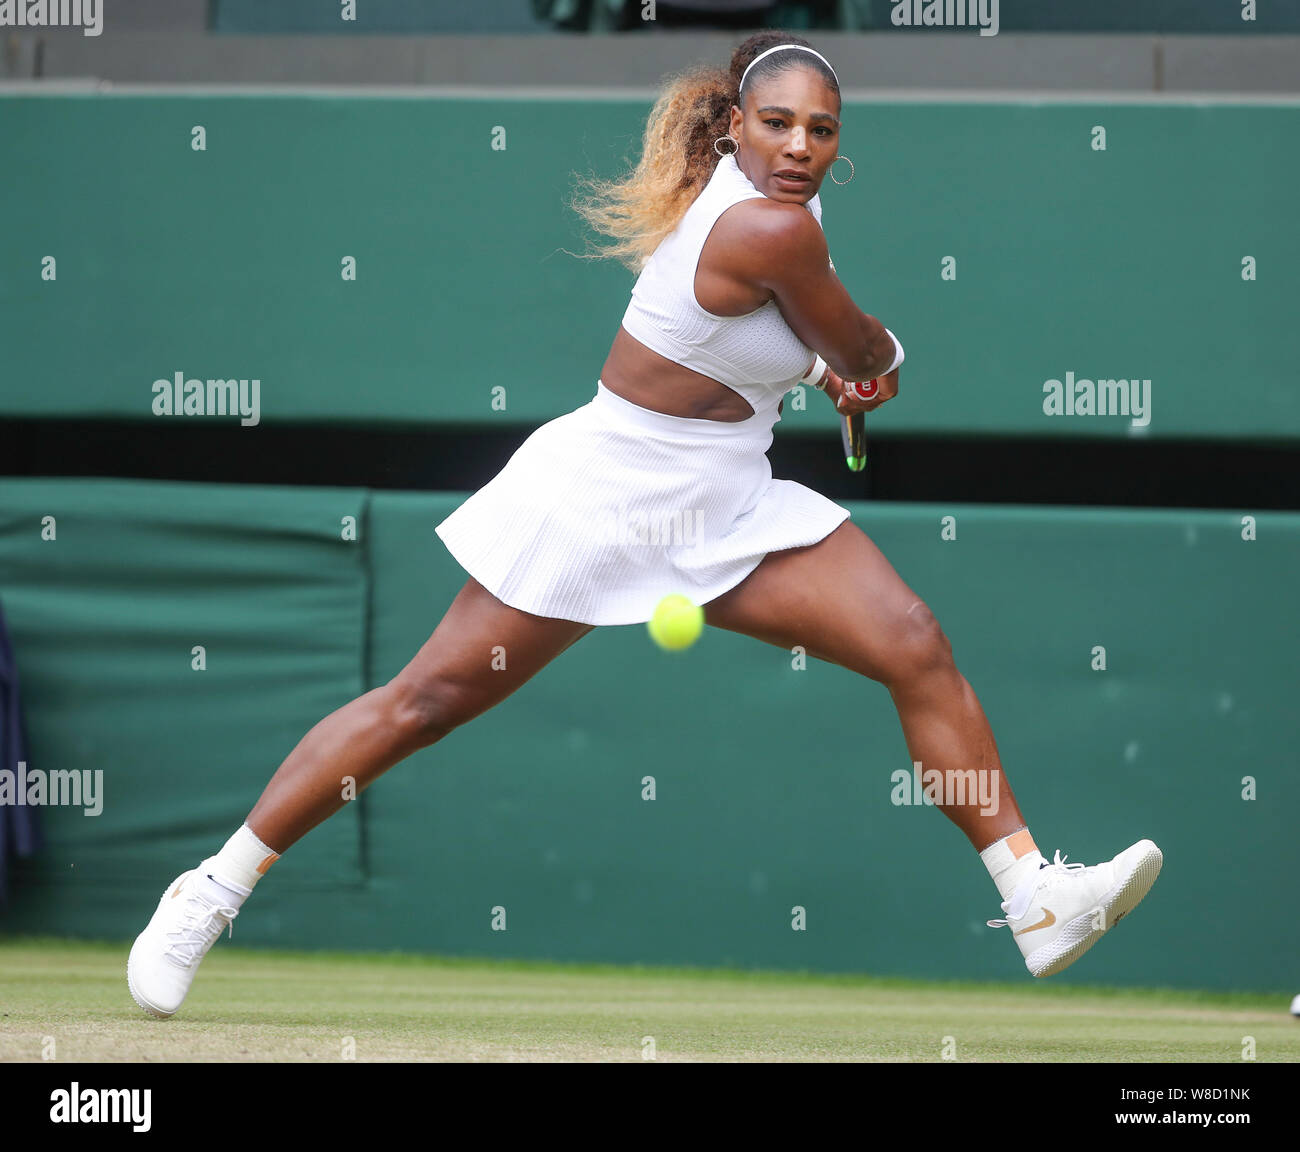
x: 816, y: 373
x: 898, y: 353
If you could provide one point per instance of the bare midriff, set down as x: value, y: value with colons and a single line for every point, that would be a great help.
x: 649, y: 380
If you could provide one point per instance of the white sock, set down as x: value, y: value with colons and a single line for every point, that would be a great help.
x: 225, y: 894
x: 229, y: 876
x: 1012, y: 859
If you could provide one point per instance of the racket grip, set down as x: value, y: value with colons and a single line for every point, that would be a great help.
x: 853, y: 435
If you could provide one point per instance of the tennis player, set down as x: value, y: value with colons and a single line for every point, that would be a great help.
x: 736, y: 303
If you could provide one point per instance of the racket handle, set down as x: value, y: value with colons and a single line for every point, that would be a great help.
x: 854, y: 433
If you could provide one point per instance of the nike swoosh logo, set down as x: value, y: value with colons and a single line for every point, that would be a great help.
x: 1046, y: 922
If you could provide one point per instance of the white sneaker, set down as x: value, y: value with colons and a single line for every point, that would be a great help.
x: 165, y: 956
x: 1061, y: 911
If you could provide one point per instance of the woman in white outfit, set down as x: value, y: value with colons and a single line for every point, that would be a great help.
x: 736, y: 303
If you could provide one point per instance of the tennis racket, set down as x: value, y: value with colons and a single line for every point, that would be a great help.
x: 853, y: 432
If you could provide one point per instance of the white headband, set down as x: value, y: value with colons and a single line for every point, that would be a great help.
x: 781, y: 48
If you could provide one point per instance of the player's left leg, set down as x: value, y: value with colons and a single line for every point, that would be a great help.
x: 842, y: 601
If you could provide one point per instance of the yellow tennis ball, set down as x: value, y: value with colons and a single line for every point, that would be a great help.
x: 677, y: 623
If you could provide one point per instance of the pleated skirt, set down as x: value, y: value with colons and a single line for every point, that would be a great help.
x: 604, y: 511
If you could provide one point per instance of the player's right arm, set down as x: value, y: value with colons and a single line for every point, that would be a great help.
x: 789, y: 257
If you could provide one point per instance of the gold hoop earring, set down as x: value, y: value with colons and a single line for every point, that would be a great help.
x: 852, y: 170
x: 733, y: 151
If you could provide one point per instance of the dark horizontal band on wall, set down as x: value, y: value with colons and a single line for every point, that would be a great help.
x: 983, y: 470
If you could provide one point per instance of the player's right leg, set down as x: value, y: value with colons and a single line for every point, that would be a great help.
x: 453, y: 678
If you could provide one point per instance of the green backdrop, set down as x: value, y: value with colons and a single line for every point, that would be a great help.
x: 772, y: 785
x: 226, y: 263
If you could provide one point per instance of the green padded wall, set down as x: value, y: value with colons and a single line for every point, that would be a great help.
x: 1071, y: 264
x: 772, y: 785
x: 104, y: 618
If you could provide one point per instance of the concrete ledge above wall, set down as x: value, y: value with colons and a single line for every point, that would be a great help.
x: 876, y: 60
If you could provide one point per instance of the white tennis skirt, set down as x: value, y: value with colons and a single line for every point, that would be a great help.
x: 603, y: 512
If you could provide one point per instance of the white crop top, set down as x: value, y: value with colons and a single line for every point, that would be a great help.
x: 758, y: 354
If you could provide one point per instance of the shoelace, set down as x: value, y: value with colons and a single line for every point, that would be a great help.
x: 200, y: 924
x: 1022, y: 896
